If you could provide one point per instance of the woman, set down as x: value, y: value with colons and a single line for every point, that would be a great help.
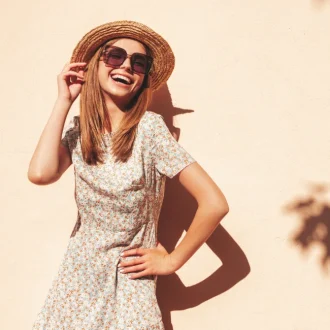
x: 122, y: 154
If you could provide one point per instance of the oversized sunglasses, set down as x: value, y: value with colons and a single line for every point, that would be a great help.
x: 116, y: 56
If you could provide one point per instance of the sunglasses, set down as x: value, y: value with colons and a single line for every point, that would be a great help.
x: 116, y: 56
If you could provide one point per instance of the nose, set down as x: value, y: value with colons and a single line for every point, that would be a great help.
x: 127, y: 64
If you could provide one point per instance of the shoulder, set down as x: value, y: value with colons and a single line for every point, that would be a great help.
x: 73, y: 123
x: 150, y: 126
x: 71, y: 128
x: 150, y: 122
x: 76, y: 121
x: 151, y: 117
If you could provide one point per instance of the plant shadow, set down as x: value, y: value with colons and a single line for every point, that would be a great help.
x: 314, y: 213
x: 178, y: 210
x: 319, y: 4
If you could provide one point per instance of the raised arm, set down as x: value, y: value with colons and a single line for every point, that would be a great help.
x: 50, y: 158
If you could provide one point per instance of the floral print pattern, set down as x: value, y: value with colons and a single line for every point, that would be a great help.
x: 118, y: 209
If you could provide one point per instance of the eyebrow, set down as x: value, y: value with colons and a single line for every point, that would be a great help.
x: 106, y: 46
x: 113, y: 46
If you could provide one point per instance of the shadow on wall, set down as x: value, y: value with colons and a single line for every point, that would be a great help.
x: 162, y: 104
x: 314, y: 213
x: 178, y: 210
x: 318, y: 4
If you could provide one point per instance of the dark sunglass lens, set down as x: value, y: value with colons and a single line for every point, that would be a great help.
x: 115, y: 57
x: 140, y: 63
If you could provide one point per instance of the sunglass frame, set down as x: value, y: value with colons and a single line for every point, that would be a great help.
x: 106, y: 51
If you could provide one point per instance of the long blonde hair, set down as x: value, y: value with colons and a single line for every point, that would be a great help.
x: 94, y: 116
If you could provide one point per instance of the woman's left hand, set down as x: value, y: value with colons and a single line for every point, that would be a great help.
x: 154, y: 261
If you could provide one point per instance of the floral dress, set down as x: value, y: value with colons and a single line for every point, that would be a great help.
x: 118, y: 209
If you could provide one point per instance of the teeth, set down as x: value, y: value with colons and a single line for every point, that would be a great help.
x: 121, y: 77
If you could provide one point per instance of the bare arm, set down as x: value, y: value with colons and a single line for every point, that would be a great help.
x: 212, y: 207
x: 50, y: 158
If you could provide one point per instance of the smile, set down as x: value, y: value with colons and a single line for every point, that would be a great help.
x: 121, y: 80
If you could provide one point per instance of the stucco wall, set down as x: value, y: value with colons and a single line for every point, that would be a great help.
x: 250, y: 94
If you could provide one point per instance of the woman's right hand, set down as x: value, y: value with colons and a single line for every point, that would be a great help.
x: 69, y: 82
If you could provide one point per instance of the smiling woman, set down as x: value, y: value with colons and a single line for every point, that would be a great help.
x: 107, y: 277
x: 108, y: 68
x: 127, y: 73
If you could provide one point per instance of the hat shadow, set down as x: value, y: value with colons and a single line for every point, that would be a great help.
x: 177, y: 213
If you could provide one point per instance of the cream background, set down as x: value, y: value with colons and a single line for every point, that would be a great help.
x: 256, y: 75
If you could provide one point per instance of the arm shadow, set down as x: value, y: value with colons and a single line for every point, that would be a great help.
x: 178, y: 210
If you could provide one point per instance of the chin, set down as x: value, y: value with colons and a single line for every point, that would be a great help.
x: 118, y: 92
x: 124, y: 97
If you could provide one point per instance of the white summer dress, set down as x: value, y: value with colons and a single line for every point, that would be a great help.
x: 118, y: 209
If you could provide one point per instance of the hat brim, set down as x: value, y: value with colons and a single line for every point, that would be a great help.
x: 163, y: 57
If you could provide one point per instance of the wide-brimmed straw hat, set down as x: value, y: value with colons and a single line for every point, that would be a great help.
x: 163, y: 57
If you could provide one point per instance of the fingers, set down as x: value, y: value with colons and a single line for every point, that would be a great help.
x: 132, y: 262
x: 69, y: 66
x: 132, y: 269
x: 70, y: 69
x: 138, y: 251
x: 70, y: 80
x: 136, y: 264
x: 70, y: 75
x: 140, y: 274
x: 137, y: 271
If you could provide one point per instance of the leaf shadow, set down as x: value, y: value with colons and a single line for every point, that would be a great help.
x: 313, y: 210
x: 319, y: 4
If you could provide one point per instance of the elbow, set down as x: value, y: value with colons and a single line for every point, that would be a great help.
x: 221, y: 209
x: 39, y: 178
x: 225, y: 207
x: 35, y: 178
x: 215, y: 205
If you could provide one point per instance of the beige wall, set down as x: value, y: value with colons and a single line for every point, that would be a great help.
x: 256, y: 75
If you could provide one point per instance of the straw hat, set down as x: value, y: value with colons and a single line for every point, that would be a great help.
x: 163, y: 57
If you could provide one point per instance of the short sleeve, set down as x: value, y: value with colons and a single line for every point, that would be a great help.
x: 69, y: 131
x: 169, y: 156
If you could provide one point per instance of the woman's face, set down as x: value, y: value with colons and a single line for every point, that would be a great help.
x: 110, y: 78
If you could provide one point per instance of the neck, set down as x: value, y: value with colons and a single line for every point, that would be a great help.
x: 116, y: 111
